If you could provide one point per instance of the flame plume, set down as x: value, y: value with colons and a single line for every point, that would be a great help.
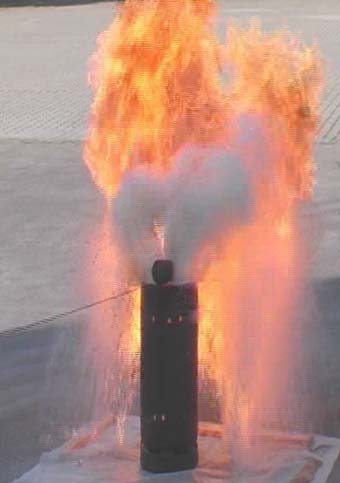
x: 158, y: 82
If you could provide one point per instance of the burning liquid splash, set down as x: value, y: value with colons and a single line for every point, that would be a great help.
x: 158, y: 81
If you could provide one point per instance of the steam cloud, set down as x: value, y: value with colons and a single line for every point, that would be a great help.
x: 207, y: 193
x: 138, y: 205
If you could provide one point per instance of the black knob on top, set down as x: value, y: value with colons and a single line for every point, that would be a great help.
x: 162, y: 271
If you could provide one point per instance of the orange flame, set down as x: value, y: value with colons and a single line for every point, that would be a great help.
x: 158, y: 84
x: 156, y: 75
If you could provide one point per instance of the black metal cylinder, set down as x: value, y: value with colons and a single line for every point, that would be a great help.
x: 169, y: 377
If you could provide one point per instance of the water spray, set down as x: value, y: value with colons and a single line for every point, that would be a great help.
x: 169, y: 334
x: 215, y: 160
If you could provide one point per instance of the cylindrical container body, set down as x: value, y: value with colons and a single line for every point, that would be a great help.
x: 169, y: 377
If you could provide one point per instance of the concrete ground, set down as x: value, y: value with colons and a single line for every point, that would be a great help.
x: 48, y: 205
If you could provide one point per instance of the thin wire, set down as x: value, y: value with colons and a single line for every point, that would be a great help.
x: 62, y: 315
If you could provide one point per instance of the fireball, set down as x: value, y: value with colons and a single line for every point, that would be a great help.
x: 159, y: 79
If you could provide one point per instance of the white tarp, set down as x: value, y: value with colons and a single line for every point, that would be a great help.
x: 102, y: 461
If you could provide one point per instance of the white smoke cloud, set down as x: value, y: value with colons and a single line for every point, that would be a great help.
x: 209, y: 194
x: 205, y: 195
x: 139, y: 203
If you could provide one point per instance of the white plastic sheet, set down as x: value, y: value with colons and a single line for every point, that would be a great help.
x: 102, y: 461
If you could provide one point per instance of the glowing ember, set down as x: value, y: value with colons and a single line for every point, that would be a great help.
x: 158, y: 85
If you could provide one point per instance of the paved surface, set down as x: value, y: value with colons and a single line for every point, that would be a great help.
x: 24, y: 401
x: 48, y: 205
x: 43, y: 86
x: 48, y: 3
